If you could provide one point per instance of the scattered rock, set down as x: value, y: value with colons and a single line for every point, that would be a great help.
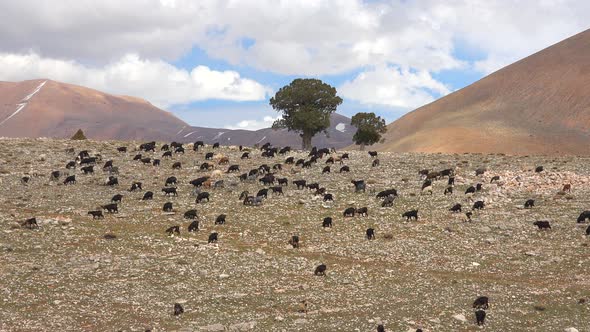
x: 460, y: 317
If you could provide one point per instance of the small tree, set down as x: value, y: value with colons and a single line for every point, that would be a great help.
x: 306, y: 105
x: 79, y: 135
x: 370, y: 129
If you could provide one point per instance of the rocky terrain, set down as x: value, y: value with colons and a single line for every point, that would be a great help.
x: 66, y: 276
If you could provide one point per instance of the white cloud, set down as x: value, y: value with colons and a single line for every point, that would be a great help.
x: 154, y: 80
x: 393, y: 86
x: 313, y: 38
x: 266, y: 122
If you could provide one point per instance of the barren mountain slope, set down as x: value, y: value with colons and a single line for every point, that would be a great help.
x: 45, y: 108
x: 57, y: 110
x: 538, y: 105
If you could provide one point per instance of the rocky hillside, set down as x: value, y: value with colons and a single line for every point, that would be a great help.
x: 426, y: 273
x: 538, y: 105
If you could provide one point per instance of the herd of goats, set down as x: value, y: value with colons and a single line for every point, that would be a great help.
x: 265, y: 175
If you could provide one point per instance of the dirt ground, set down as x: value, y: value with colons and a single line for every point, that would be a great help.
x: 65, y: 276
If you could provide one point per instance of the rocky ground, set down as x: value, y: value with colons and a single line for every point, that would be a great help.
x: 66, y: 276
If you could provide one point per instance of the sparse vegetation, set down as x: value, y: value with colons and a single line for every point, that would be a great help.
x: 124, y: 272
x: 79, y: 135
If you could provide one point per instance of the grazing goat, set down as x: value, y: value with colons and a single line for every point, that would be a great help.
x: 456, y: 208
x: 388, y: 192
x: 171, y: 181
x: 583, y: 216
x: 202, y: 196
x: 220, y: 220
x: 410, y: 214
x: 388, y: 201
x: 364, y: 211
x: 478, y: 205
x: 167, y: 207
x: 294, y: 241
x: 213, y: 237
x: 470, y: 190
x: 542, y: 224
x: 349, y: 212
x: 191, y: 214
x: 135, y: 186
x: 178, y: 309
x: 30, y: 223
x: 370, y: 233
x: 448, y: 190
x: 96, y: 214
x: 70, y: 180
x: 480, y: 316
x: 111, y: 208
x: 320, y: 270
x: 194, y: 226
x: 117, y: 198
x: 172, y: 230
x: 359, y: 185
x: 170, y: 191
x: 482, y: 302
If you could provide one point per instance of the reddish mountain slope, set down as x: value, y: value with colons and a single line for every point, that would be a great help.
x: 56, y: 109
x: 45, y: 108
x: 538, y: 105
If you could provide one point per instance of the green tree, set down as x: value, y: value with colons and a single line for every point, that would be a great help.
x: 306, y: 105
x: 79, y: 135
x: 370, y: 129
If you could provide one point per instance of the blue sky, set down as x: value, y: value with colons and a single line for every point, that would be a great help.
x: 193, y: 113
x: 216, y: 63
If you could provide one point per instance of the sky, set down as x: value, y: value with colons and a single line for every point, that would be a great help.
x: 216, y: 63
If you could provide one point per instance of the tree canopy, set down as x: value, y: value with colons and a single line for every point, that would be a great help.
x: 370, y: 128
x: 306, y: 105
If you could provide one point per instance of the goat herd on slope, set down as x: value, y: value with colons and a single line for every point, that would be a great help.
x: 267, y: 176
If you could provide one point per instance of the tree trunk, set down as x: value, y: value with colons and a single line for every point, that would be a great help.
x: 306, y: 141
x: 362, y: 148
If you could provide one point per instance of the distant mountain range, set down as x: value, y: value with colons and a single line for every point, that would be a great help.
x: 538, y: 105
x: 46, y: 108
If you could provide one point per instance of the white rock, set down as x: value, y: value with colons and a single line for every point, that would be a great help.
x: 571, y: 329
x: 460, y: 317
x: 243, y: 326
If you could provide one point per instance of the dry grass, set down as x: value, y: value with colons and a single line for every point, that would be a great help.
x: 67, y: 276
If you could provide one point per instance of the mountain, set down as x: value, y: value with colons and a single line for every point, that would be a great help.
x: 339, y: 135
x: 538, y: 105
x: 46, y: 108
